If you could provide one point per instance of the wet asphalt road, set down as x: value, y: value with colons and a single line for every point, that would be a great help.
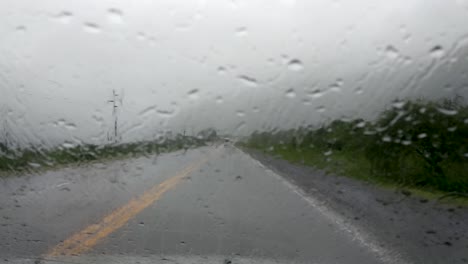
x: 211, y: 201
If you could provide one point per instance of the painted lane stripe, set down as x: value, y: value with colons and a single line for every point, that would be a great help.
x: 87, y: 238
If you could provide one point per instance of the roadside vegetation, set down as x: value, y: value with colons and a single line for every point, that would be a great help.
x: 37, y: 158
x: 415, y: 144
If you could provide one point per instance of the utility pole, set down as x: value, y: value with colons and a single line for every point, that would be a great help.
x: 114, y: 137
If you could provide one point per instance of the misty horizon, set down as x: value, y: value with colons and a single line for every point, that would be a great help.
x: 234, y: 66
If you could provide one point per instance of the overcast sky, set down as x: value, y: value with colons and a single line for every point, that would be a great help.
x: 234, y: 65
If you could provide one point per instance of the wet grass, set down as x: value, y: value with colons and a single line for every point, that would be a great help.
x: 36, y: 159
x: 417, y: 147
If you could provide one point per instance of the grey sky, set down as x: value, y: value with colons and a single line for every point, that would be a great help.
x: 187, y: 65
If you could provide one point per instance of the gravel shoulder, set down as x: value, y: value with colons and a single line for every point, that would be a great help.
x: 424, y: 231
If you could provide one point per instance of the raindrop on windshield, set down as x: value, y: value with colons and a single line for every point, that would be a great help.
x: 70, y: 126
x: 361, y: 124
x: 437, y: 52
x: 68, y: 145
x: 295, y: 65
x: 422, y: 135
x: 193, y: 94
x: 240, y: 113
x: 290, y: 93
x: 315, y: 94
x: 249, y: 81
x: 115, y: 16
x: 320, y: 109
x: 21, y: 29
x: 92, y: 28
x: 241, y: 32
x: 386, y: 139
x: 336, y: 87
x: 447, y: 111
x: 221, y: 70
x: 64, y: 17
x: 391, y: 52
x: 399, y: 104
x: 141, y: 36
x: 358, y: 90
x: 452, y: 129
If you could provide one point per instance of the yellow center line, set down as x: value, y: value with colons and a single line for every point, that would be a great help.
x: 87, y: 238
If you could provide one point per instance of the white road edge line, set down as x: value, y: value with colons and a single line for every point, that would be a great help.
x: 363, y: 238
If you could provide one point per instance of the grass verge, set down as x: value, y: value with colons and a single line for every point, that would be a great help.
x: 35, y: 159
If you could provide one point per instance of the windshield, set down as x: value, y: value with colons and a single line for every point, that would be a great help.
x: 234, y: 131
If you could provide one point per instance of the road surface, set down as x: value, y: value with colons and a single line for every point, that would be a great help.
x: 209, y: 205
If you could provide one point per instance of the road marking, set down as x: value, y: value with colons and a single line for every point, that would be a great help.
x: 85, y: 239
x: 386, y: 255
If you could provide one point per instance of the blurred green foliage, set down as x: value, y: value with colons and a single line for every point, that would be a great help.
x: 35, y: 157
x: 415, y: 143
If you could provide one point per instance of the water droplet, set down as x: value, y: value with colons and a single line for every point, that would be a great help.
x: 21, y: 29
x: 240, y: 113
x: 422, y: 135
x: 398, y: 104
x: 34, y: 165
x: 328, y: 153
x: 406, y: 142
x: 165, y: 113
x: 240, y: 126
x: 91, y: 28
x: 115, y: 16
x: 386, y: 139
x: 361, y: 124
x: 339, y: 82
x: 221, y: 70
x: 68, y: 145
x: 193, y: 94
x: 219, y: 100
x: 65, y: 189
x: 447, y: 111
x: 320, y: 109
x: 315, y: 94
x: 452, y: 129
x: 391, y: 52
x: 241, y: 31
x: 64, y: 17
x: 255, y: 109
x: 249, y: 81
x: 290, y: 93
x: 142, y: 223
x: 70, y: 126
x: 335, y: 88
x: 437, y: 52
x: 152, y: 41
x: 141, y: 36
x: 147, y: 111
x: 295, y: 65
